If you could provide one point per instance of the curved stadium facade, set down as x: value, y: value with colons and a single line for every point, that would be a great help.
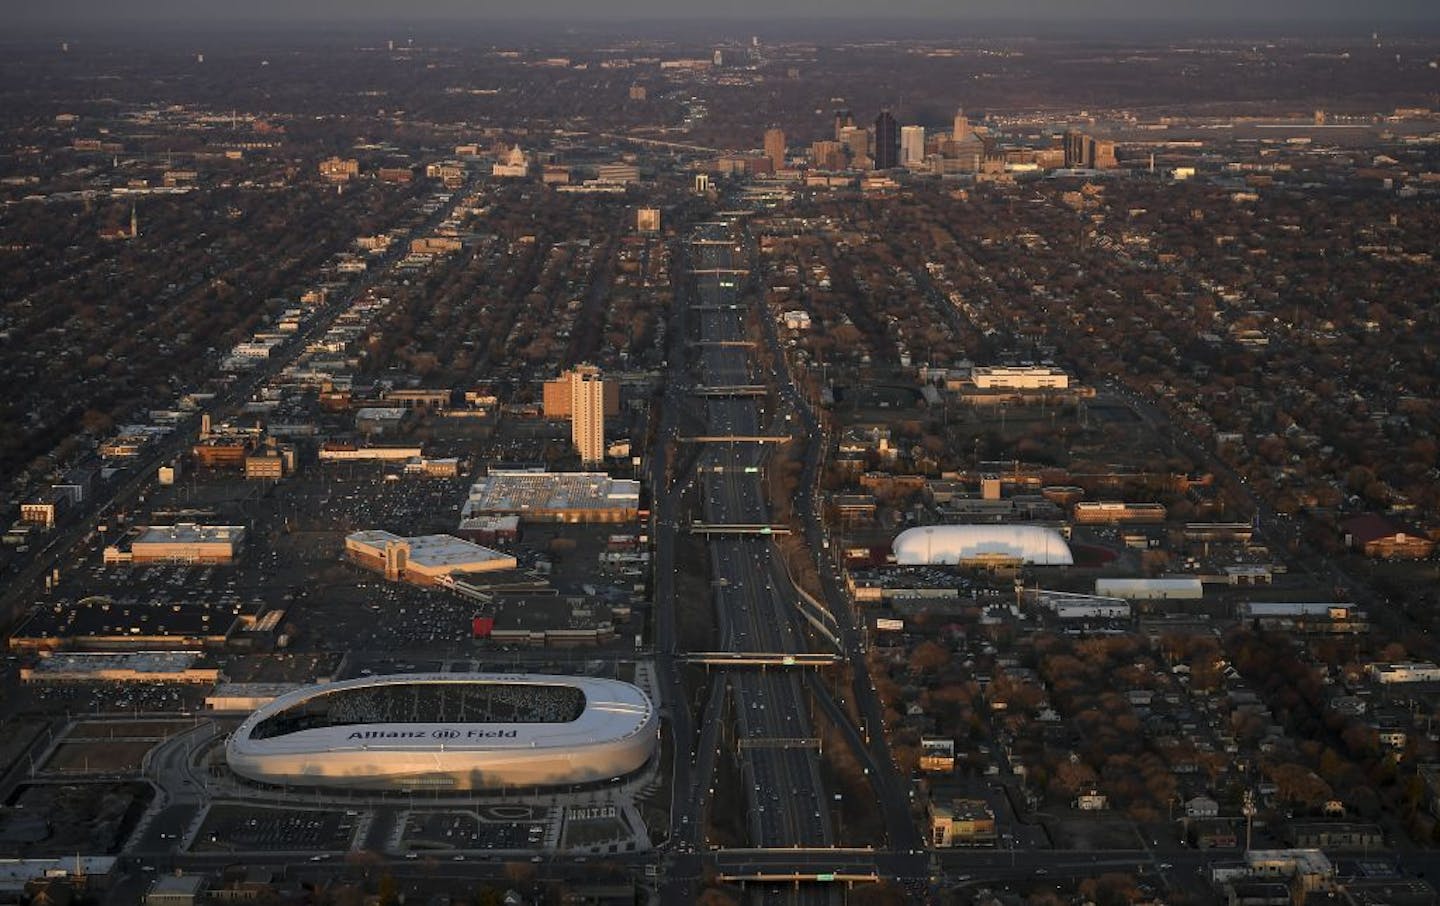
x: 461, y: 731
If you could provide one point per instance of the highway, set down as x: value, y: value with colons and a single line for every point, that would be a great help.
x: 785, y: 800
x: 892, y: 792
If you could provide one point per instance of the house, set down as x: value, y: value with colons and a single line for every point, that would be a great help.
x: 1202, y: 807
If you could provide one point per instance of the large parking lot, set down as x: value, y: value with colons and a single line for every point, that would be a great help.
x: 240, y: 828
x: 500, y: 827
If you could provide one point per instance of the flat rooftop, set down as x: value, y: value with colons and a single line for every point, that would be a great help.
x: 188, y: 533
x: 491, y: 523
x: 100, y: 619
x: 157, y: 662
x: 505, y: 491
x: 432, y: 551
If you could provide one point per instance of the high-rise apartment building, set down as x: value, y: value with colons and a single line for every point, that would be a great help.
x: 912, y: 145
x: 887, y: 141
x: 775, y: 148
x: 557, y: 400
x: 587, y: 413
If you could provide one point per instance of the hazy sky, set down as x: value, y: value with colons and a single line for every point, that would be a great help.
x: 199, y: 12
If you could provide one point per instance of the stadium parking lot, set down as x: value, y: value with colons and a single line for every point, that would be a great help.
x: 476, y: 830
x: 238, y: 828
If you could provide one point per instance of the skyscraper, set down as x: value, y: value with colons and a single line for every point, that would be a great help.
x: 887, y: 142
x: 1086, y: 152
x: 587, y: 413
x: 827, y: 155
x: 912, y: 145
x: 857, y: 140
x: 843, y: 120
x: 775, y: 147
x: 961, y: 131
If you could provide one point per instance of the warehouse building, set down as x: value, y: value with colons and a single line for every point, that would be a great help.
x: 553, y: 497
x: 1181, y: 589
x: 423, y: 559
x: 185, y: 542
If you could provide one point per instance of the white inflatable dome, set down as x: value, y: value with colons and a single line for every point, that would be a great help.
x: 953, y: 544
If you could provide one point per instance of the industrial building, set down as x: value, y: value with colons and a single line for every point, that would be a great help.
x: 1180, y: 589
x: 981, y: 544
x: 131, y: 667
x: 339, y: 452
x: 1114, y: 512
x: 184, y: 542
x: 371, y: 420
x: 1027, y: 377
x: 553, y: 497
x: 99, y: 624
x: 553, y: 621
x: 242, y: 698
x: 1303, y: 616
x: 1069, y: 606
x: 1410, y: 672
x: 490, y: 529
x: 423, y: 559
x: 448, y: 731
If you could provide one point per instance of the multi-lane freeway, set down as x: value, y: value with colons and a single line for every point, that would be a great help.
x: 771, y: 730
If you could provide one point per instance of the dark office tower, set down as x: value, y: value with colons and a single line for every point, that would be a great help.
x: 843, y: 121
x: 887, y: 141
x: 1078, y: 150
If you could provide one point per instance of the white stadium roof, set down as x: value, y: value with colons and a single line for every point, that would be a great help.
x: 954, y: 544
x: 613, y: 734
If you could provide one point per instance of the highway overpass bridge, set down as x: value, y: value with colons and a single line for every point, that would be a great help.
x: 715, y: 528
x: 736, y: 439
x: 760, y: 659
x: 731, y: 390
